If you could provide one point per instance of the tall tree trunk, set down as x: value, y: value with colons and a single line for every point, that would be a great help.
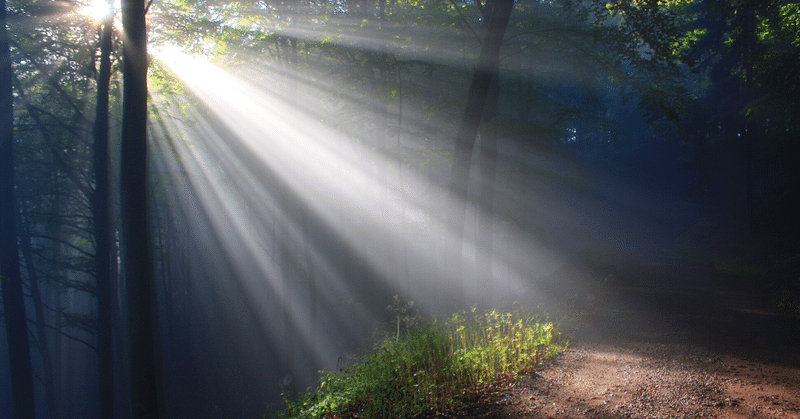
x: 135, y: 229
x: 488, y: 164
x: 313, y: 286
x: 102, y: 225
x: 43, y: 343
x: 749, y: 180
x: 19, y: 353
x: 55, y: 252
x: 750, y: 25
x: 488, y: 64
x: 406, y: 286
x: 53, y: 230
x: 287, y: 265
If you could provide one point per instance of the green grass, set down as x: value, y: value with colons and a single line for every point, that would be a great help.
x: 430, y: 367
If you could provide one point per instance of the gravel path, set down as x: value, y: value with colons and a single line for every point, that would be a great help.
x: 665, y: 340
x: 644, y: 380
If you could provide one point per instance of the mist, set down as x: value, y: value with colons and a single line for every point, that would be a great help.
x: 301, y: 169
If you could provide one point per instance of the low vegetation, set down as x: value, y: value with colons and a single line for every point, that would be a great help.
x: 431, y: 367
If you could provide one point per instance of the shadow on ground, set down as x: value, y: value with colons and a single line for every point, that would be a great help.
x: 675, y: 301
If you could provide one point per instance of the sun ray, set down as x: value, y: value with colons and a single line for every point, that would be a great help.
x: 99, y: 10
x: 309, y: 221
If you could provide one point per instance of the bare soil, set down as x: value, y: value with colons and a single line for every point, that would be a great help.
x: 662, y: 340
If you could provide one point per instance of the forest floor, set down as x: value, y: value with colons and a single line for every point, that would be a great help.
x: 665, y: 340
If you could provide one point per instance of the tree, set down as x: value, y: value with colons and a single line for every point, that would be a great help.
x: 499, y: 13
x: 488, y: 167
x: 51, y: 207
x: 101, y: 210
x: 10, y: 275
x: 142, y: 312
x: 745, y: 59
x: 62, y: 209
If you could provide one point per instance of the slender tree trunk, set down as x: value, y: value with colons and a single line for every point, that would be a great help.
x: 403, y: 200
x: 749, y: 171
x: 55, y: 252
x: 135, y: 228
x: 102, y: 225
x: 43, y: 343
x: 19, y: 353
x: 313, y: 287
x: 487, y: 69
x: 751, y: 22
x: 488, y: 164
x: 289, y: 278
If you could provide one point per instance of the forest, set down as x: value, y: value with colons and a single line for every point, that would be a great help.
x: 205, y: 203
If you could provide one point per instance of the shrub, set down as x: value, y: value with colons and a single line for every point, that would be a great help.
x: 495, y: 343
x: 430, y: 368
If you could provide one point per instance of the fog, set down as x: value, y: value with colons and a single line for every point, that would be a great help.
x: 289, y: 235
x: 301, y: 185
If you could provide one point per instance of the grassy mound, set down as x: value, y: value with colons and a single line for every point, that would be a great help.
x: 430, y: 367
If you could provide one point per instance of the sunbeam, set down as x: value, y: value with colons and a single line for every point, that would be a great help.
x: 332, y: 174
x: 277, y: 186
x: 269, y: 189
x: 99, y: 10
x: 311, y: 222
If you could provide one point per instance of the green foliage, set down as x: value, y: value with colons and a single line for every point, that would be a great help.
x: 430, y: 368
x: 400, y: 377
x: 495, y: 343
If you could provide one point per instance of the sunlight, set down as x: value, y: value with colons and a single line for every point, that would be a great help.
x: 315, y: 161
x: 305, y: 225
x: 332, y: 174
x: 322, y: 176
x: 99, y: 10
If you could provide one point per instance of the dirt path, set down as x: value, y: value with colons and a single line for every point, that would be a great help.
x: 666, y: 340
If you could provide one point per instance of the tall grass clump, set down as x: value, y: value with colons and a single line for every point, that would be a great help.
x: 491, y: 344
x: 431, y: 367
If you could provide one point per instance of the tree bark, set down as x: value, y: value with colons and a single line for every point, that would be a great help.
x: 488, y: 64
x: 135, y: 229
x: 10, y: 275
x: 488, y: 165
x: 43, y: 343
x: 102, y: 226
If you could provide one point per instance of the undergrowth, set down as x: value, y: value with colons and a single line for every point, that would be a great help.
x: 430, y: 367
